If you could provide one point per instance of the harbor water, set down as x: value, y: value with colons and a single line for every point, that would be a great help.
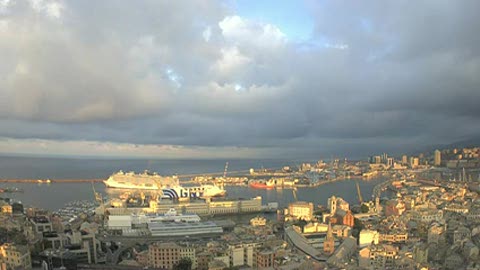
x: 55, y: 195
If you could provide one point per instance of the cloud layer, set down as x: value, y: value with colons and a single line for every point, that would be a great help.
x: 387, y: 76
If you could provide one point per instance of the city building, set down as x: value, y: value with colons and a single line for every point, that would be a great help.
x: 41, y: 224
x: 301, y: 210
x: 265, y: 259
x: 341, y: 231
x: 390, y: 162
x: 382, y: 256
x: 6, y: 208
x: 427, y: 215
x: 15, y: 257
x: 393, y: 236
x: 461, y: 233
x: 166, y: 255
x: 242, y: 254
x: 315, y: 227
x: 337, y: 203
x: 368, y: 237
x: 437, y: 158
x: 83, y: 245
x: 394, y: 208
x: 436, y: 234
x: 258, y: 221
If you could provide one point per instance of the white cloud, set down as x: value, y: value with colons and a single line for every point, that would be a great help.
x: 207, y: 33
x: 3, y: 26
x: 339, y: 46
x: 231, y: 60
x: 51, y: 8
x: 4, y: 5
x: 238, y: 30
x: 113, y: 74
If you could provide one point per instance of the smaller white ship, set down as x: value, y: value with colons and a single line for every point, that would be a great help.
x: 203, y: 191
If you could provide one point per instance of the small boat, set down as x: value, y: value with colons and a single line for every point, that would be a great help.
x: 46, y: 181
x: 262, y: 184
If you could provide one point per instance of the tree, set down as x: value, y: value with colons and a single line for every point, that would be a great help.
x: 364, y: 208
x: 357, y: 227
x: 184, y: 264
x: 300, y: 223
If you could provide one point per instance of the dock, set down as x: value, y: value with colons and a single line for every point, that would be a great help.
x: 46, y: 181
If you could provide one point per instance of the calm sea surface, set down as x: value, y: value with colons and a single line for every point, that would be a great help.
x: 54, y: 196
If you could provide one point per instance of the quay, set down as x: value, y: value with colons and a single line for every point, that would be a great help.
x: 46, y: 181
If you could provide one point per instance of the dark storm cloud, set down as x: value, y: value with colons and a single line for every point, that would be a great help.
x: 373, y: 77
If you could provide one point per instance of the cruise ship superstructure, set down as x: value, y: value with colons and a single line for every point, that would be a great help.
x: 168, y: 185
x: 144, y: 181
x: 192, y: 192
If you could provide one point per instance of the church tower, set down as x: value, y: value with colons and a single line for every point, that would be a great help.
x: 329, y: 243
x: 333, y: 205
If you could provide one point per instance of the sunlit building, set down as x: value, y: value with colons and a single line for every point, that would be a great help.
x: 15, y: 257
x: 437, y: 158
x: 381, y: 256
x: 166, y: 255
x: 265, y: 259
x: 301, y: 210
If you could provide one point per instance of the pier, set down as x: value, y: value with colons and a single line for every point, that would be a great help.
x: 46, y: 181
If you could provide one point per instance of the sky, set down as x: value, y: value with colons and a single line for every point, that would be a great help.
x: 237, y: 79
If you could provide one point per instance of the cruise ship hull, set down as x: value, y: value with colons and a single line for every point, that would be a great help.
x: 129, y: 186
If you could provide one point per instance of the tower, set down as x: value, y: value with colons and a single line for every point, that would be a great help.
x: 378, y: 207
x: 333, y: 205
x: 329, y: 243
x: 404, y: 159
x: 437, y: 158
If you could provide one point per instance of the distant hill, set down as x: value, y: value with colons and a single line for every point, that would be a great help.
x: 470, y: 142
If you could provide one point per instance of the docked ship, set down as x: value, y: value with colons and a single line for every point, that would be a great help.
x: 203, y: 191
x: 144, y: 181
x: 168, y: 185
x: 262, y: 184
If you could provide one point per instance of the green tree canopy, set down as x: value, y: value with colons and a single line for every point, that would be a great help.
x: 184, y: 264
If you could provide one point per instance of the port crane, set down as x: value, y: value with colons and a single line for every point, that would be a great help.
x: 359, y: 193
x: 294, y: 191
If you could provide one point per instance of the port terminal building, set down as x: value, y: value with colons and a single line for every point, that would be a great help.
x: 202, y: 208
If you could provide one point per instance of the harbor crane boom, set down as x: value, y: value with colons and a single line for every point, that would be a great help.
x: 359, y: 193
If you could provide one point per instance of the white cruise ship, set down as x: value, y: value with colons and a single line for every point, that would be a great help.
x: 169, y: 186
x: 146, y: 181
